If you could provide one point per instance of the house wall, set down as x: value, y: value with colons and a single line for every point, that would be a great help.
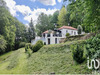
x: 71, y: 32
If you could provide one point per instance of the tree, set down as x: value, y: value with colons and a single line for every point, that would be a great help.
x: 54, y: 18
x: 61, y: 17
x: 31, y: 31
x: 92, y: 15
x: 85, y: 13
x: 7, y: 27
x: 10, y: 28
x: 2, y: 44
x: 43, y: 23
x: 79, y: 28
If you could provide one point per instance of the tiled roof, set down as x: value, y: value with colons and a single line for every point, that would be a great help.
x: 67, y: 27
x: 46, y: 31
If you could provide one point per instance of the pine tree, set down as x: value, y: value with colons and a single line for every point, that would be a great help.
x: 31, y: 31
x: 62, y: 17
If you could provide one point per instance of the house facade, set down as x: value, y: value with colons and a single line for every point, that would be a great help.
x: 55, y: 36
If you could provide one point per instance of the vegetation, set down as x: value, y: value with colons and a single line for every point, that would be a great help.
x: 78, y: 52
x: 62, y: 17
x: 67, y: 34
x: 93, y: 47
x: 37, y: 46
x: 12, y: 32
x: 2, y: 44
x: 85, y: 13
x: 27, y: 46
x: 44, y: 23
x: 79, y: 28
x: 31, y: 31
x: 22, y: 44
x: 52, y: 58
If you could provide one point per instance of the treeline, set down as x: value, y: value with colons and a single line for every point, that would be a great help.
x: 78, y: 12
x: 12, y: 32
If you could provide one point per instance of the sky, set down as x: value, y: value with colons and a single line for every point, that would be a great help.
x: 24, y: 10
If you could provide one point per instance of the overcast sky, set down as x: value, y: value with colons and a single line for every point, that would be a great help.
x: 23, y: 10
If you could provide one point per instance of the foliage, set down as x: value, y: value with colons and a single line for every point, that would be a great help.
x: 54, y: 18
x: 10, y: 28
x: 57, y: 56
x: 67, y: 34
x: 31, y: 31
x: 44, y: 23
x: 22, y: 44
x: 93, y: 47
x: 61, y: 17
x: 77, y: 52
x: 79, y: 28
x: 29, y: 51
x: 37, y: 46
x: 7, y: 27
x: 80, y: 12
x: 92, y: 15
x: 2, y: 44
x: 27, y: 46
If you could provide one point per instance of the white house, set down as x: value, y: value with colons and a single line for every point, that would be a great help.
x: 55, y: 36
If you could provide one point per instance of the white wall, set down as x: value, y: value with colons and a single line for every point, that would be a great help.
x: 71, y: 32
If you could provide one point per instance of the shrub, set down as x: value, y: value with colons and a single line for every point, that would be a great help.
x: 2, y: 44
x: 77, y: 52
x: 22, y: 44
x: 93, y: 47
x: 67, y: 34
x: 79, y: 28
x: 37, y: 46
x: 28, y: 45
x: 29, y: 52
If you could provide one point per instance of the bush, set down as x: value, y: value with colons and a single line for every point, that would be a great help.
x: 27, y: 46
x: 93, y: 47
x: 37, y: 46
x: 67, y: 34
x: 79, y: 28
x: 77, y: 52
x: 22, y: 44
x: 2, y: 44
x: 29, y: 52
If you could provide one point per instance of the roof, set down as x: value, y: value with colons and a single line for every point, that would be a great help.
x: 67, y: 27
x: 46, y: 31
x: 63, y: 27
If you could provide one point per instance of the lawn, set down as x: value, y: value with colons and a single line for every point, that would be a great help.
x: 49, y: 59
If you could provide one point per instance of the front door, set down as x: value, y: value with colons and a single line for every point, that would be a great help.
x: 48, y: 41
x: 55, y: 40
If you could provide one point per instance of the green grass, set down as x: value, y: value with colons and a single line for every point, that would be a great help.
x: 50, y: 58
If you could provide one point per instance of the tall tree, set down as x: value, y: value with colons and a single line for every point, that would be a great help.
x: 43, y: 23
x: 31, y: 31
x: 54, y: 18
x: 62, y: 17
x: 7, y: 27
x: 92, y: 15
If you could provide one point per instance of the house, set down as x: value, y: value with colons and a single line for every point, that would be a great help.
x: 55, y: 36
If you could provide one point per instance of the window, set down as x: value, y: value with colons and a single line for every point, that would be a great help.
x: 43, y: 35
x: 74, y: 33
x: 66, y: 31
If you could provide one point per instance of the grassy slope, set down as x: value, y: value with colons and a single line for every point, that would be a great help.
x: 51, y: 58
